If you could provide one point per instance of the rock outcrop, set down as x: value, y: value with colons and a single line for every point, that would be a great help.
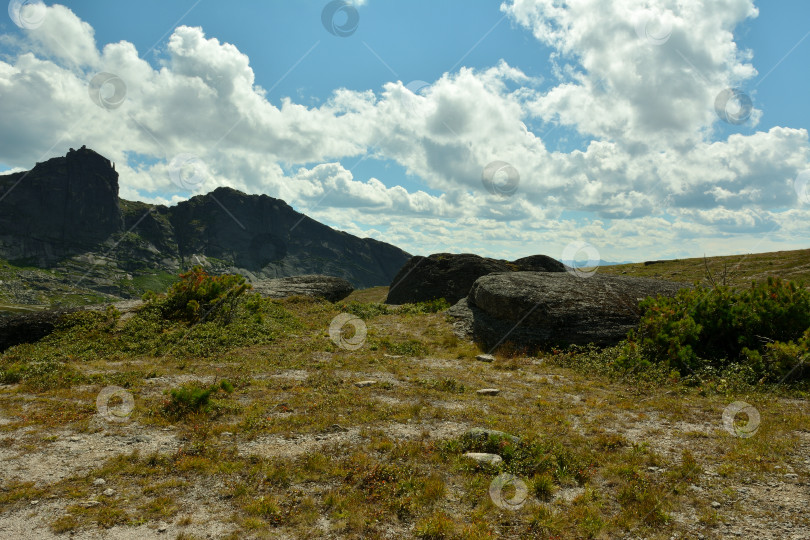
x: 450, y: 276
x: 65, y: 215
x: 28, y: 327
x: 544, y: 308
x: 32, y: 326
x: 62, y: 206
x: 330, y: 288
x: 537, y: 263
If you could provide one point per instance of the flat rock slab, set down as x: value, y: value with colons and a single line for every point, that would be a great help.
x: 485, y: 358
x: 551, y: 308
x: 488, y: 392
x: 331, y: 288
x: 481, y: 457
x: 364, y: 384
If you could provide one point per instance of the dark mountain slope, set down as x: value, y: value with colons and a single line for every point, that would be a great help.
x: 65, y: 215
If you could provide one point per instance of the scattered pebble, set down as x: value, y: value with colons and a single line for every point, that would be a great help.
x: 481, y: 457
x: 488, y: 392
x: 363, y: 384
x: 485, y: 358
x: 34, y: 502
x: 109, y: 492
x: 715, y: 504
x: 162, y: 527
x: 99, y: 482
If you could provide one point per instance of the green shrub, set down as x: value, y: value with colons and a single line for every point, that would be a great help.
x: 369, y: 310
x: 532, y: 458
x: 542, y: 486
x: 436, y: 526
x: 718, y: 327
x: 192, y: 398
x: 428, y: 306
x: 39, y: 376
x: 89, y: 321
x: 199, y: 296
x: 365, y: 310
x: 443, y: 384
x: 266, y: 508
x: 782, y: 360
x: 11, y: 374
x: 410, y: 347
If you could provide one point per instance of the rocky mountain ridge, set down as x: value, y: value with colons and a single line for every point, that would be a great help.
x: 65, y: 216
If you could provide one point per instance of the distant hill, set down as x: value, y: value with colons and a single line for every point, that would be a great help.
x: 739, y: 270
x: 602, y: 262
x: 65, y: 216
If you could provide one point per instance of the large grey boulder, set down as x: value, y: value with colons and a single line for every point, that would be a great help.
x: 450, y: 276
x: 331, y: 288
x: 543, y: 308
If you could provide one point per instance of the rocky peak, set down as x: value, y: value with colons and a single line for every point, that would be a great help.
x: 79, y: 164
x: 60, y: 206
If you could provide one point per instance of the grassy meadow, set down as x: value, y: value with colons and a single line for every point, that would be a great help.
x: 267, y: 426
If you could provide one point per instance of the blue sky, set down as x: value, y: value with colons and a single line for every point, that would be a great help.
x: 614, y: 137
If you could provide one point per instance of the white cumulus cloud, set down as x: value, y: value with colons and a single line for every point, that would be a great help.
x: 636, y: 80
